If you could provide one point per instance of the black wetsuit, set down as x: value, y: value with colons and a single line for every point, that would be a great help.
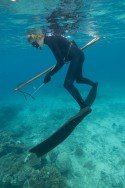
x: 63, y: 52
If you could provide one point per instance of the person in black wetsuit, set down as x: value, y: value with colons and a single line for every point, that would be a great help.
x: 64, y: 51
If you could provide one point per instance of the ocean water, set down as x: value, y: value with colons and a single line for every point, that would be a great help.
x: 94, y: 154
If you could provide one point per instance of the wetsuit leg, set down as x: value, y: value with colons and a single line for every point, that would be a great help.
x: 71, y: 76
x: 82, y: 80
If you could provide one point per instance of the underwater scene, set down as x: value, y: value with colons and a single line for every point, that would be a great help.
x: 59, y: 127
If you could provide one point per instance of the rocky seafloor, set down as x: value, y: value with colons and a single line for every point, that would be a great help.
x: 20, y: 169
x: 92, y: 156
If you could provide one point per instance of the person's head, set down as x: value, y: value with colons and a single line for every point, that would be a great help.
x: 37, y: 40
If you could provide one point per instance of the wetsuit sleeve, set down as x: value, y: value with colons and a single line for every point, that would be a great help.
x: 56, y: 68
x: 55, y: 43
x: 59, y: 57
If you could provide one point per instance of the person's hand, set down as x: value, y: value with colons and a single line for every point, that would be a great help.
x: 47, y: 79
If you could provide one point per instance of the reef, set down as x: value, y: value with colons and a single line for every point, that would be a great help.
x: 8, y: 114
x: 23, y: 170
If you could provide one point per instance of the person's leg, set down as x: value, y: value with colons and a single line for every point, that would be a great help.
x: 93, y: 91
x: 82, y: 80
x: 69, y: 82
x: 87, y: 81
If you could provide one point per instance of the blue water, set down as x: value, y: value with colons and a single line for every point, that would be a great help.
x: 93, y: 155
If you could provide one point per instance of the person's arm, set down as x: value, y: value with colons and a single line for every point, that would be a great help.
x: 57, y: 67
x: 52, y: 72
x: 58, y: 55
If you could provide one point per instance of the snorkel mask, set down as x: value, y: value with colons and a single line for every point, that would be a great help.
x: 35, y: 44
x: 36, y: 40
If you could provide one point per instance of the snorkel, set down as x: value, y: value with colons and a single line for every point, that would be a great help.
x: 37, y: 40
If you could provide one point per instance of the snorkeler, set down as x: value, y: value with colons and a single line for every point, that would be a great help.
x: 64, y: 51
